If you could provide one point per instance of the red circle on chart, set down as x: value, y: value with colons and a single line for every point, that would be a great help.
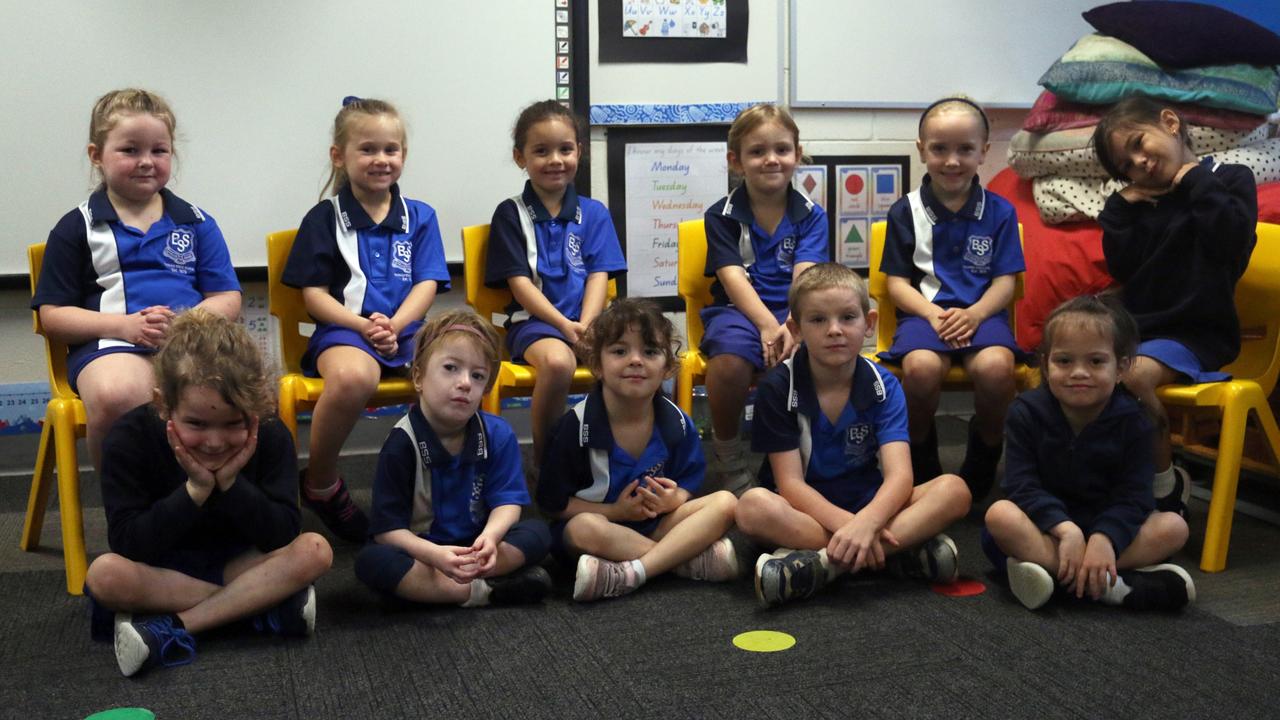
x: 964, y: 587
x: 853, y: 184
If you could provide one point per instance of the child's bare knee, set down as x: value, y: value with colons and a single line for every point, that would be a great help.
x: 584, y: 530
x: 1001, y: 516
x: 112, y: 580
x: 310, y: 556
x: 754, y: 510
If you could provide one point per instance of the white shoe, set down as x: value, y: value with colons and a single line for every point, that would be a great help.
x: 1030, y: 583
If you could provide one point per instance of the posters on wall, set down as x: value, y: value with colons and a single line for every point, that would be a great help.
x: 666, y: 183
x: 674, y: 18
x: 861, y: 191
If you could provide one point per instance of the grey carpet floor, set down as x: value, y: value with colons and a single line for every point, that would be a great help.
x: 869, y: 646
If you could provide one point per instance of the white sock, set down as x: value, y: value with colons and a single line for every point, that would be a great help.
x: 832, y: 571
x: 479, y: 594
x: 1163, y: 482
x: 322, y: 493
x: 639, y: 568
x: 1115, y: 594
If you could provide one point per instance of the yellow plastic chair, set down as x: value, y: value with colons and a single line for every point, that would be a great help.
x: 878, y: 286
x: 64, y: 423
x: 514, y: 379
x: 297, y: 391
x: 695, y: 288
x: 1253, y: 378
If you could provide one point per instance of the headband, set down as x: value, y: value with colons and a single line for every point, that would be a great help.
x: 986, y: 126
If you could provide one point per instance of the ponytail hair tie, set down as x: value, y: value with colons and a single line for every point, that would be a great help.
x: 350, y: 99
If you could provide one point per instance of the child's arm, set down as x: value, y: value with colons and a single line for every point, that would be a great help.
x: 687, y: 469
x: 959, y: 324
x: 775, y: 341
x: 629, y: 507
x: 593, y: 297
x: 1224, y: 207
x: 225, y: 303
x: 140, y: 526
x: 457, y: 563
x: 537, y: 305
x: 74, y: 325
x: 259, y: 488
x: 485, y: 548
x: 415, y: 305
x: 858, y: 542
x: 788, y: 477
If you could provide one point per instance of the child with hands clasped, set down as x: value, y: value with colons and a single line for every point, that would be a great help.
x: 555, y: 250
x: 1177, y: 239
x: 1078, y: 476
x: 759, y: 237
x: 202, y: 514
x: 952, y: 254
x: 623, y: 465
x: 118, y: 267
x: 829, y: 421
x: 449, y: 486
x: 369, y: 262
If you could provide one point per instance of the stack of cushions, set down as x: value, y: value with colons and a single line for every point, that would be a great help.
x: 1217, y: 68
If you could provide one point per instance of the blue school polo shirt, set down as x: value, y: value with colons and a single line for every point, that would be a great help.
x: 951, y: 258
x: 445, y: 498
x: 368, y: 267
x: 564, y: 249
x: 583, y: 461
x: 840, y: 459
x: 734, y: 238
x: 94, y: 261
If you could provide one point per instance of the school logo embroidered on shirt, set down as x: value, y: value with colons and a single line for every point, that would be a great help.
x: 402, y: 258
x: 977, y: 254
x: 180, y: 249
x: 573, y: 251
x: 787, y: 252
x: 424, y: 452
x: 855, y: 441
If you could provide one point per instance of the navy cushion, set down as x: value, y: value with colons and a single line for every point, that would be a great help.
x: 1187, y: 34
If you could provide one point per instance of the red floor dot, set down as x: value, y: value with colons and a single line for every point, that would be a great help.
x: 964, y: 587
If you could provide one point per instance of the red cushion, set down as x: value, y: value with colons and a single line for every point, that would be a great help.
x: 1063, y: 261
x: 1066, y: 260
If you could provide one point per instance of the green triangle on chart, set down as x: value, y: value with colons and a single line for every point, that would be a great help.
x: 854, y: 236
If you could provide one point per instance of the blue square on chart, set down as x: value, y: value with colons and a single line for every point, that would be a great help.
x: 886, y: 183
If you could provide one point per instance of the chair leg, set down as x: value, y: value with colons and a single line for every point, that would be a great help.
x: 684, y: 391
x: 41, y: 481
x: 73, y: 550
x: 1236, y: 402
x: 287, y: 407
x: 492, y: 400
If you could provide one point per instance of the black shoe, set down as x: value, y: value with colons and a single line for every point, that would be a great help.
x: 294, y: 617
x: 1158, y: 587
x: 979, y: 467
x: 935, y: 561
x: 339, y: 512
x: 525, y: 586
x: 925, y: 463
x: 1176, y: 500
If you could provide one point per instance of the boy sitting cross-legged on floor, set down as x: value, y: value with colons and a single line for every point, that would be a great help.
x: 829, y: 420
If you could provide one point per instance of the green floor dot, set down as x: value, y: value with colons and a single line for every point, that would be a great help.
x: 123, y: 714
x: 763, y: 641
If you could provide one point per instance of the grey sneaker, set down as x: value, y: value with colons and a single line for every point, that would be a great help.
x: 936, y: 560
x: 795, y: 576
x: 598, y: 578
x: 717, y: 563
x: 1030, y: 583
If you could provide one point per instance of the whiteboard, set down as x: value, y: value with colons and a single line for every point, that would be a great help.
x: 908, y: 53
x: 255, y: 86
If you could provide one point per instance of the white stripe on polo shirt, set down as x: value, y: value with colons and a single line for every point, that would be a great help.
x: 348, y: 240
x: 922, y: 257
x: 106, y: 263
x: 599, y: 458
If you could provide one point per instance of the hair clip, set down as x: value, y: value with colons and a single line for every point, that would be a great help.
x: 350, y: 99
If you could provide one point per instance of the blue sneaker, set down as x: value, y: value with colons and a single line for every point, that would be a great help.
x: 151, y: 641
x: 295, y: 617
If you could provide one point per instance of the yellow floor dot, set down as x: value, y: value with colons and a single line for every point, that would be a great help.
x: 763, y: 641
